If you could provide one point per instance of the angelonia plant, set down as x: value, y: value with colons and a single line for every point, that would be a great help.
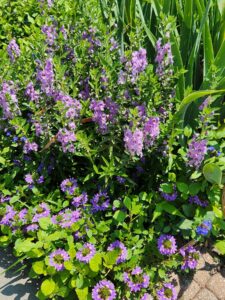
x: 102, y: 192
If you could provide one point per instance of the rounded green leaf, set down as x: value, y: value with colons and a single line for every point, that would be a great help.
x: 212, y: 173
x: 48, y: 287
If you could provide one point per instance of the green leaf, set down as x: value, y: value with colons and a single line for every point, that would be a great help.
x: 24, y: 245
x: 119, y: 216
x: 167, y: 207
x: 212, y: 173
x: 186, y: 224
x: 136, y: 208
x: 95, y: 262
x: 220, y: 246
x: 127, y: 202
x: 39, y: 267
x: 194, y: 188
x: 82, y: 293
x: 48, y: 287
x: 111, y: 257
x: 116, y: 203
x: 182, y: 187
x: 167, y: 188
x: 45, y: 223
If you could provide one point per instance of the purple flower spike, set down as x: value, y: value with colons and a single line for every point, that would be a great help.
x: 190, y: 256
x: 86, y: 253
x: 196, y: 152
x: 57, y: 259
x: 136, y: 280
x: 13, y: 50
x: 104, y: 290
x: 123, y: 251
x: 167, y: 244
x: 196, y: 200
x: 167, y: 292
x: 134, y: 141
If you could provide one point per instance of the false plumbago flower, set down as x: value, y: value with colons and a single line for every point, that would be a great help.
x: 69, y: 185
x: 13, y: 50
x: 81, y: 200
x: 204, y: 228
x: 50, y: 34
x: 123, y: 251
x: 170, y: 196
x: 196, y: 200
x: 31, y: 93
x: 196, y: 152
x: 9, y: 101
x: 136, y: 280
x: 100, y: 202
x: 86, y: 253
x: 41, y: 211
x: 104, y: 290
x: 167, y: 244
x: 167, y: 292
x: 134, y: 141
x: 65, y: 219
x: 46, y: 77
x: 57, y: 259
x: 190, y: 256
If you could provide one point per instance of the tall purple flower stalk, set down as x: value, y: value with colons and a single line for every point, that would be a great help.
x: 9, y: 101
x: 196, y: 152
x: 46, y: 77
x: 13, y: 50
x: 164, y: 58
x: 50, y: 33
x: 134, y: 141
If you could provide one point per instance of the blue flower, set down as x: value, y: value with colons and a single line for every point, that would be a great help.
x: 204, y: 228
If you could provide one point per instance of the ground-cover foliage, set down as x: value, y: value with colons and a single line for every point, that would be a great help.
x: 106, y: 185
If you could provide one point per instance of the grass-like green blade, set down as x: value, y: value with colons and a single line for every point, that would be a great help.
x: 150, y: 35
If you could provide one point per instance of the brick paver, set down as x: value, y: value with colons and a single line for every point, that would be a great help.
x: 207, y: 283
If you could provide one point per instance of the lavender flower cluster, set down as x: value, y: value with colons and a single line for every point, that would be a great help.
x: 196, y: 152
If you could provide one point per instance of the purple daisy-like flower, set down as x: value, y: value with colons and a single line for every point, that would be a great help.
x: 81, y: 200
x: 41, y: 211
x: 123, y: 251
x: 167, y: 244
x: 104, y: 290
x: 100, y: 202
x: 167, y: 292
x: 57, y: 259
x: 204, y: 228
x: 146, y: 296
x: 8, y: 218
x: 32, y: 227
x: 86, y: 253
x: 190, y: 256
x: 136, y: 280
x: 69, y: 185
x: 67, y: 218
x: 196, y: 200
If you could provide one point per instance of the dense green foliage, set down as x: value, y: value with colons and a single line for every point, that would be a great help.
x: 102, y: 141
